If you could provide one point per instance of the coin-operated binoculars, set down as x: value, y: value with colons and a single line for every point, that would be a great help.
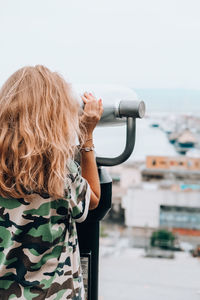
x: 124, y: 111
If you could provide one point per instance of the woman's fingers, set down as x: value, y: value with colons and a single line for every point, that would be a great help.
x: 84, y: 99
x: 100, y: 102
x: 93, y: 108
x: 89, y: 96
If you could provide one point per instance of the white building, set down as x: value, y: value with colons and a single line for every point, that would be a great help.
x: 154, y: 207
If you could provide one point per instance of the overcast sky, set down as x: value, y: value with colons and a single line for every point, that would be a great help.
x: 141, y: 43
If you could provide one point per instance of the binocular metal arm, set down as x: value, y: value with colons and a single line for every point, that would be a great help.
x: 129, y: 110
x: 130, y: 143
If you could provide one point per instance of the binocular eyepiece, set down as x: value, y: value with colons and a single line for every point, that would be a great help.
x: 121, y: 110
x: 133, y: 109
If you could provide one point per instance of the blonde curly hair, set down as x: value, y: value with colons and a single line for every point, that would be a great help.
x: 39, y: 123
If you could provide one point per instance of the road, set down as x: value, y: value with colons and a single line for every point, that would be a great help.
x: 126, y: 274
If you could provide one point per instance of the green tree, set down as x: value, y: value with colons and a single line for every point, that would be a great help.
x: 163, y: 238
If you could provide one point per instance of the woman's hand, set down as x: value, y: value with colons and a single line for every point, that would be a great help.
x: 93, y: 110
x: 92, y: 113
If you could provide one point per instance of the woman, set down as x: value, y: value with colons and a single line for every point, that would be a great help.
x: 42, y: 193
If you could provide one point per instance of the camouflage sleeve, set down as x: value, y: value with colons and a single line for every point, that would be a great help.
x: 79, y: 194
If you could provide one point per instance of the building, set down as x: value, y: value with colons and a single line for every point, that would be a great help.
x: 163, y: 193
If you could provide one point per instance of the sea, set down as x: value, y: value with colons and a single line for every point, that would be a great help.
x: 110, y: 141
x: 174, y: 101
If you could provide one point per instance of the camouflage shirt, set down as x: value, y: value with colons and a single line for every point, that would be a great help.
x: 39, y: 254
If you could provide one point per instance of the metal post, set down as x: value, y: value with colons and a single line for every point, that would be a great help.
x: 88, y: 234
